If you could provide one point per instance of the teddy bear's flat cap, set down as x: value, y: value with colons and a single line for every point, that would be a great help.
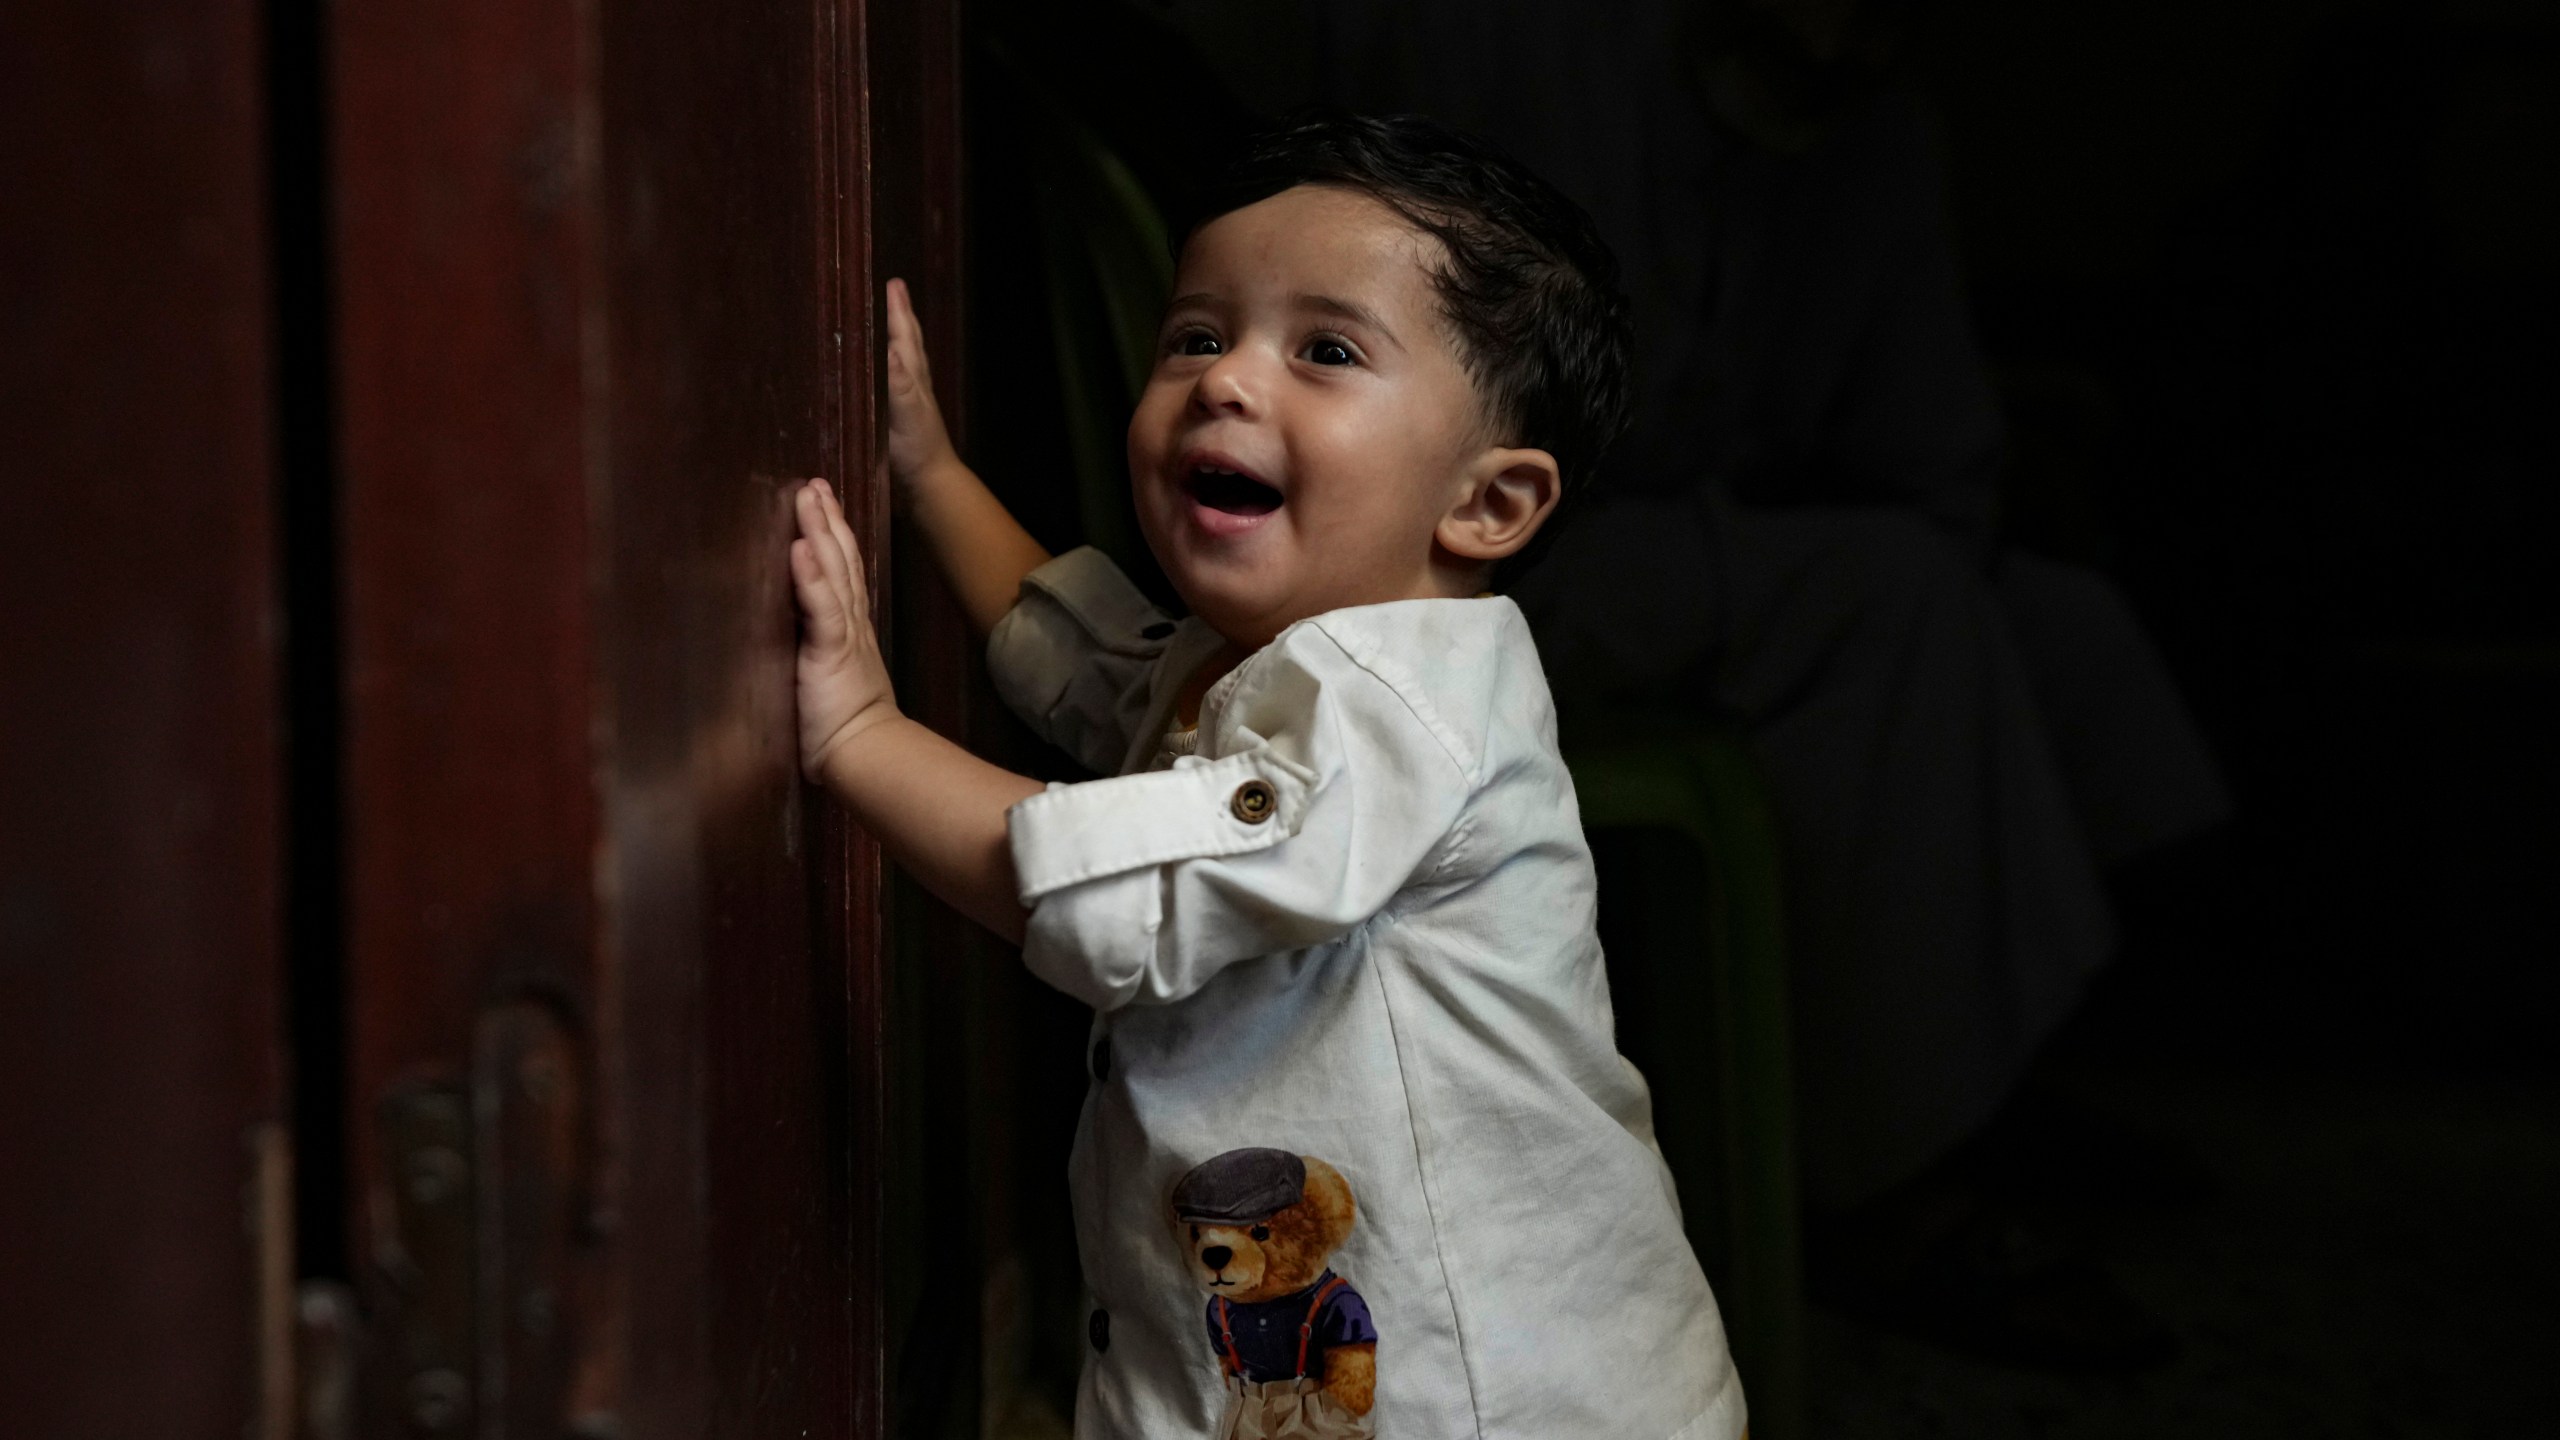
x: 1240, y: 1185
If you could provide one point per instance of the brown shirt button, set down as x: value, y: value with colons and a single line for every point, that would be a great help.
x: 1254, y: 802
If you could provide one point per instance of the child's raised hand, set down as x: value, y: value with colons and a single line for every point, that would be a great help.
x: 843, y: 682
x: 918, y: 441
x: 975, y: 541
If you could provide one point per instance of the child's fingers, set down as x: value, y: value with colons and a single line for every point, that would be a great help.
x: 906, y: 337
x: 902, y: 323
x: 902, y: 312
x: 825, y: 545
x: 843, y: 534
x: 818, y: 601
x: 903, y: 329
x: 809, y: 578
x: 840, y: 529
x: 837, y: 547
x: 809, y: 507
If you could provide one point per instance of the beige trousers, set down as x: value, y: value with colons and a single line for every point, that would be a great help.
x: 1288, y: 1410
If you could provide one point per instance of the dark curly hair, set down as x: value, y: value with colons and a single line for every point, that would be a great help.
x: 1527, y: 284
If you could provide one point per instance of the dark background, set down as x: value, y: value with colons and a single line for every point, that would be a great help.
x: 2274, y: 285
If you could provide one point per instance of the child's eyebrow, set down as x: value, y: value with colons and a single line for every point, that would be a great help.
x: 1350, y: 310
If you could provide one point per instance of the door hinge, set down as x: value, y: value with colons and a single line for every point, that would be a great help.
x: 484, y: 1227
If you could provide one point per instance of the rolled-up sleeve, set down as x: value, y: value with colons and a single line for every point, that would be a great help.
x: 1074, y: 656
x: 1330, y: 795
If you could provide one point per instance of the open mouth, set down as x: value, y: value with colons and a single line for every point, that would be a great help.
x: 1229, y: 492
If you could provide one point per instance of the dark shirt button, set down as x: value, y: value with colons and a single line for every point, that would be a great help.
x: 1097, y: 1328
x: 1102, y: 1058
x: 1158, y: 630
x: 1254, y: 801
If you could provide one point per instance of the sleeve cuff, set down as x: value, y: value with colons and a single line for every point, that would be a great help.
x: 1070, y: 834
x: 1100, y: 599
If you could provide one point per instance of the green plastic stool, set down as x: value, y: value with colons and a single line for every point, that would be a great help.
x: 1711, y: 964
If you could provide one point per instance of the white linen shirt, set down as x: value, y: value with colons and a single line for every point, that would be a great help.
x: 1394, y: 970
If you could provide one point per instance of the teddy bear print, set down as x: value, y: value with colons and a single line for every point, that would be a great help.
x: 1294, y: 1343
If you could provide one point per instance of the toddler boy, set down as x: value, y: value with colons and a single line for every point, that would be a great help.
x: 1360, y: 1156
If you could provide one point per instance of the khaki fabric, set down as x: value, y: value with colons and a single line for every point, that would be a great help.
x: 1288, y: 1410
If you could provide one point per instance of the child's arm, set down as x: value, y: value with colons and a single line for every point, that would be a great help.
x: 937, y: 809
x: 983, y: 551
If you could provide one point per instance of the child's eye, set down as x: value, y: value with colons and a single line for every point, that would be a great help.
x: 1196, y: 342
x: 1325, y: 350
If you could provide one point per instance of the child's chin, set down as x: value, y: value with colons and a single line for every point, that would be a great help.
x: 1242, y: 627
x: 1225, y: 599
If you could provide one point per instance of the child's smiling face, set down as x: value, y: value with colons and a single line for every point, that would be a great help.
x: 1310, y: 438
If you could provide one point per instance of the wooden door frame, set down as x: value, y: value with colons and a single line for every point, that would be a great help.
x: 542, y: 825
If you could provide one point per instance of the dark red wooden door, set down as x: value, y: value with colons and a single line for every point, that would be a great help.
x: 145, y: 1245
x: 462, y: 354
x: 605, y: 292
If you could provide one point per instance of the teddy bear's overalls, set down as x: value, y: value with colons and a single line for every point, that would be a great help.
x: 1355, y: 922
x: 1294, y: 1408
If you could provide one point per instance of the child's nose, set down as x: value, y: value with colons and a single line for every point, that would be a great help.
x: 1216, y: 1257
x: 1226, y: 387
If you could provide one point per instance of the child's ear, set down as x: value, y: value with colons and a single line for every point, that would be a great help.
x: 1509, y: 495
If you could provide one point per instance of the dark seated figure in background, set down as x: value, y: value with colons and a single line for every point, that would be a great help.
x: 1960, y: 738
